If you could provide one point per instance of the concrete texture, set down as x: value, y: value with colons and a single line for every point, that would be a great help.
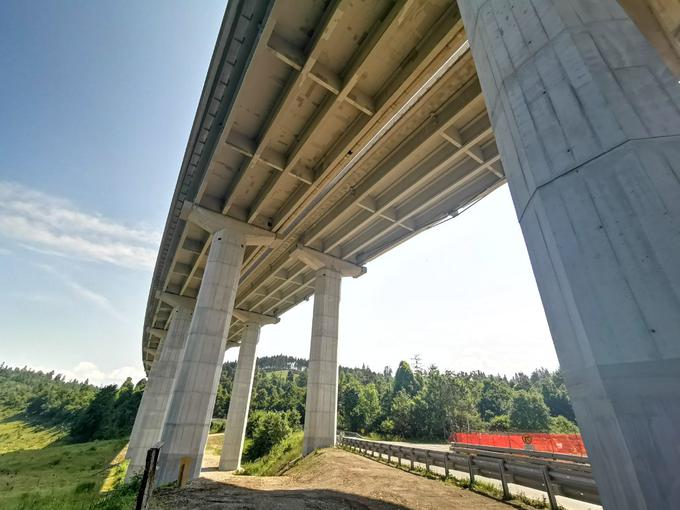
x: 160, y: 384
x: 237, y: 416
x: 659, y: 22
x: 587, y: 120
x: 322, y: 373
x: 188, y: 421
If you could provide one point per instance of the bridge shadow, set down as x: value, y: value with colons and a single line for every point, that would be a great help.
x: 210, y: 494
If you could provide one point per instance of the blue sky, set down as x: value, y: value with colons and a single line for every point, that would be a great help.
x: 96, y: 104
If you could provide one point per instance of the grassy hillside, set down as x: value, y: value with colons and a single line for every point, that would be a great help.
x: 39, y: 470
x: 280, y: 456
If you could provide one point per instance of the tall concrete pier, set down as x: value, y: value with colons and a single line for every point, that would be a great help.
x: 188, y: 421
x: 322, y: 373
x: 587, y: 121
x: 153, y: 408
x: 239, y: 403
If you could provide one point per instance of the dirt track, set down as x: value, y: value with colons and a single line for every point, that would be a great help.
x: 330, y: 480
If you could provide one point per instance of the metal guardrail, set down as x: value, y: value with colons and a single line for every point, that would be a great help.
x: 557, y: 475
x: 148, y: 477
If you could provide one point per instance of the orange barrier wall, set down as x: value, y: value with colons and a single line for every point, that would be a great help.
x: 567, y: 444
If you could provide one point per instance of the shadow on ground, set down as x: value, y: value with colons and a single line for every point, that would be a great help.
x: 41, y: 469
x: 207, y: 494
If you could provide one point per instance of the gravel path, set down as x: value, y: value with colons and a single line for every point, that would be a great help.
x: 330, y: 480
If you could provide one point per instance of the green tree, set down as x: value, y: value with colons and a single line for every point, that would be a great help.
x: 494, y: 399
x: 500, y: 423
x: 271, y: 428
x: 404, y: 380
x: 556, y: 398
x: 97, y: 420
x: 402, y: 412
x: 368, y: 408
x: 528, y: 412
x: 561, y: 425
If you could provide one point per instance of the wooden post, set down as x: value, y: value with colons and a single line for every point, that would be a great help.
x: 148, y: 478
x: 413, y: 458
x: 446, y: 465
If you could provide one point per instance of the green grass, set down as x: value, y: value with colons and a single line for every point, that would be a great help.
x: 280, y: 456
x: 38, y: 470
x: 17, y: 434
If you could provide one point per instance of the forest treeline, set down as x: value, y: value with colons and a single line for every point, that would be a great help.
x: 85, y: 411
x: 413, y: 403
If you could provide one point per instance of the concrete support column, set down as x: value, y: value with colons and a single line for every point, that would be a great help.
x: 239, y: 404
x: 188, y: 421
x: 322, y: 372
x: 587, y: 120
x: 160, y: 384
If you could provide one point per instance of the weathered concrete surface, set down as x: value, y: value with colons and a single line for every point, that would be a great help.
x: 153, y: 408
x: 188, y: 421
x: 587, y: 119
x: 237, y: 416
x: 659, y: 21
x: 322, y: 373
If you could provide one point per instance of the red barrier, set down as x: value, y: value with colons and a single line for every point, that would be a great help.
x: 568, y: 444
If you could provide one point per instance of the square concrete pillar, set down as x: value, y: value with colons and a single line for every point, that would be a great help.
x: 160, y: 384
x: 239, y: 404
x: 322, y: 371
x: 188, y: 422
x: 587, y: 120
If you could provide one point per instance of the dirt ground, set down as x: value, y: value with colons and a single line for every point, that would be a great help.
x: 330, y: 480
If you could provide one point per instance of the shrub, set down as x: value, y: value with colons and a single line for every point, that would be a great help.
x: 500, y: 423
x: 387, y: 427
x: 528, y: 412
x: 272, y: 427
x: 561, y: 425
x: 217, y: 426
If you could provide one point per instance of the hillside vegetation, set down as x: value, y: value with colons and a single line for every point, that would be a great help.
x: 424, y: 404
x: 62, y: 442
x: 39, y: 470
x: 79, y: 410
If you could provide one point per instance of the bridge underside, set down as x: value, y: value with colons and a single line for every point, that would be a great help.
x: 328, y: 132
x: 351, y: 127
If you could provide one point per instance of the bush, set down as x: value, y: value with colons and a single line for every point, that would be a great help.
x: 217, y: 426
x: 272, y: 427
x: 387, y: 427
x: 500, y: 423
x: 528, y: 412
x: 561, y: 425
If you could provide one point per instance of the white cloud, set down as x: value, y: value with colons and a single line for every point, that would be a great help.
x: 78, y: 290
x: 52, y: 224
x: 4, y: 251
x: 86, y: 370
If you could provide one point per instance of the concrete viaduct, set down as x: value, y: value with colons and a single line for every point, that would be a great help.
x: 330, y: 131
